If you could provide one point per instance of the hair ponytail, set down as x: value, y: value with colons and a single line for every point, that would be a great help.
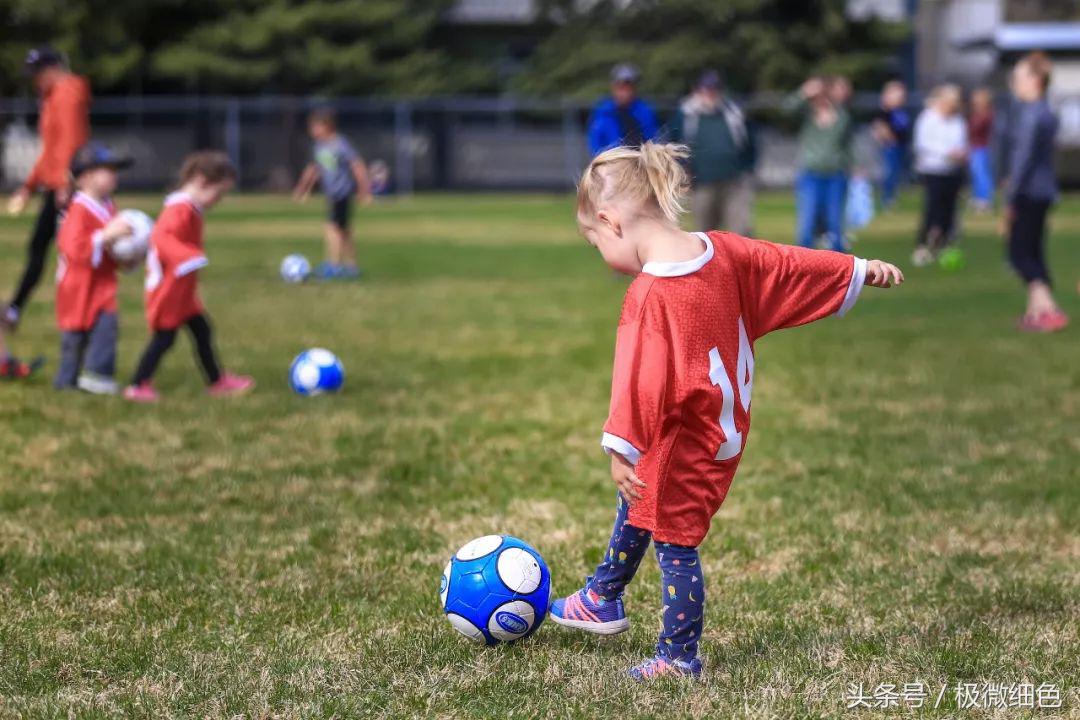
x: 652, y: 175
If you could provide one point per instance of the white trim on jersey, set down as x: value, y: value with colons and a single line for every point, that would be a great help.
x: 189, y: 266
x: 97, y: 240
x: 858, y: 279
x: 614, y: 443
x: 101, y: 211
x: 686, y: 267
x: 182, y: 197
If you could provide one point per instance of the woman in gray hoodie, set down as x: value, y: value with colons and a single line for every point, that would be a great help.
x: 1031, y: 190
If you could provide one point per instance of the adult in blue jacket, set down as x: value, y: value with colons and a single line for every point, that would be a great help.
x: 623, y: 118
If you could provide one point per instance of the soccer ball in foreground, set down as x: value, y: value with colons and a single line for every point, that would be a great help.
x: 295, y: 269
x: 132, y: 249
x: 495, y: 589
x: 316, y: 371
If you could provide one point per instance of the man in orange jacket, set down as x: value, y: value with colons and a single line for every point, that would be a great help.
x: 64, y: 126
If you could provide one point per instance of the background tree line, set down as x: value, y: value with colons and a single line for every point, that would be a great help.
x: 409, y: 48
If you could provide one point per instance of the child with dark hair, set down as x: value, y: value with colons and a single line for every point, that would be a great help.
x: 172, y: 269
x: 343, y: 175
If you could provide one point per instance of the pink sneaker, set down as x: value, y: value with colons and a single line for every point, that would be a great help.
x: 1047, y: 322
x: 231, y: 385
x: 144, y: 393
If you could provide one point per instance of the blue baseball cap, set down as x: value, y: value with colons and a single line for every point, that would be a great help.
x: 94, y: 155
x: 39, y: 58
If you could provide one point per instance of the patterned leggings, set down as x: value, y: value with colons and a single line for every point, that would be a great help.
x: 681, y: 581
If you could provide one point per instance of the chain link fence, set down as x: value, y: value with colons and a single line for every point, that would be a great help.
x: 439, y: 143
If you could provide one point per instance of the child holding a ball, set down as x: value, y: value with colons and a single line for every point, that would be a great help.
x: 684, y: 370
x: 86, y: 274
x: 172, y: 273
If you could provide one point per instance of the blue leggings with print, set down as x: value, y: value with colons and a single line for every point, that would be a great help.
x: 682, y: 584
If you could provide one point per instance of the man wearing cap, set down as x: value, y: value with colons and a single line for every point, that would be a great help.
x: 623, y: 118
x: 64, y: 126
x: 723, y: 154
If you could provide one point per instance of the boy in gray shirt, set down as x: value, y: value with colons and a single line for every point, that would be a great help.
x: 342, y: 174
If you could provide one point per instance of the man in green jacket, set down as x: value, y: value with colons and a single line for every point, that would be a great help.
x: 723, y: 154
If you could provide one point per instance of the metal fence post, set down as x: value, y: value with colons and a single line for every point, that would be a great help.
x: 403, y: 146
x: 571, y: 158
x: 232, y: 135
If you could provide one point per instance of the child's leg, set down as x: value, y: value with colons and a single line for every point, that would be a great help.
x: 71, y: 352
x: 99, y: 365
x: 683, y: 589
x: 333, y: 244
x: 203, y: 336
x: 343, y: 219
x: 625, y: 550
x: 101, y: 346
x: 598, y: 607
x: 151, y: 358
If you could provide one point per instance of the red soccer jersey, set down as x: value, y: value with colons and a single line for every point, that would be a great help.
x: 176, y: 254
x: 85, y: 273
x: 684, y: 366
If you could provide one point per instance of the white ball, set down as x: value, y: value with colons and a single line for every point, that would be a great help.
x: 132, y: 248
x: 295, y: 269
x: 316, y: 371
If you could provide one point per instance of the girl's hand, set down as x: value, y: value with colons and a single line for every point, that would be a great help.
x: 882, y: 274
x: 622, y: 472
x: 115, y: 229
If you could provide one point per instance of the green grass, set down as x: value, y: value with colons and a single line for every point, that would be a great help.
x: 908, y: 508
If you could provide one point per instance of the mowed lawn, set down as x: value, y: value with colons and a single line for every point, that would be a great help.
x: 908, y: 509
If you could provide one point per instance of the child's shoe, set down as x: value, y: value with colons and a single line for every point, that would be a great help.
x: 231, y: 385
x: 1046, y: 322
x: 96, y: 384
x: 326, y: 271
x: 15, y: 369
x: 347, y: 272
x: 661, y: 666
x: 144, y: 393
x: 585, y: 610
x: 9, y: 318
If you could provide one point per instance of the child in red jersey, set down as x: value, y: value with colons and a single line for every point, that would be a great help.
x: 86, y: 275
x: 684, y: 370
x: 172, y: 267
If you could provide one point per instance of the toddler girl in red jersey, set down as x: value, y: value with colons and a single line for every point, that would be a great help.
x: 683, y: 375
x: 172, y: 272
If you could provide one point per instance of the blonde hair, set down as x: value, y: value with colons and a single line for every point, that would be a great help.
x: 949, y: 92
x: 652, y: 175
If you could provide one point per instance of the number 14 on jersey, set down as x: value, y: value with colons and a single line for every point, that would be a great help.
x: 744, y: 376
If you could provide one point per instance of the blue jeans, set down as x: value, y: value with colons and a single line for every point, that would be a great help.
x: 892, y: 159
x: 820, y: 197
x: 982, y: 175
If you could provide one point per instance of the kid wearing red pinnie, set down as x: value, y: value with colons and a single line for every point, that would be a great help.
x: 86, y: 274
x: 684, y: 371
x: 172, y: 276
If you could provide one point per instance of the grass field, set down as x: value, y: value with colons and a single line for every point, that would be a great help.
x: 908, y: 508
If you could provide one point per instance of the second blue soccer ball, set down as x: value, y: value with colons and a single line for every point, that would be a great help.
x: 316, y: 371
x: 295, y: 269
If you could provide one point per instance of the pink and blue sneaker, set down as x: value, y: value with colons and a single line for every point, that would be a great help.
x: 661, y: 666
x: 586, y: 610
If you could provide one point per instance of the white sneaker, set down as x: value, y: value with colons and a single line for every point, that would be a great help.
x: 922, y: 257
x: 97, y: 384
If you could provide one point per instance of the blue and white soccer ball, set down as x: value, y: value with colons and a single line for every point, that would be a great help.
x: 495, y: 589
x: 131, y: 250
x: 316, y: 371
x: 295, y: 269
